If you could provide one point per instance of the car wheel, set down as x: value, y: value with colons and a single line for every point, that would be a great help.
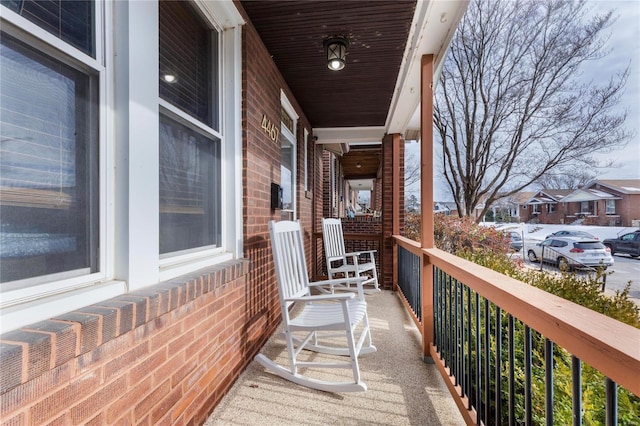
x: 563, y: 264
x: 532, y: 256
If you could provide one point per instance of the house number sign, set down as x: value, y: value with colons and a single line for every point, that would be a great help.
x: 270, y: 129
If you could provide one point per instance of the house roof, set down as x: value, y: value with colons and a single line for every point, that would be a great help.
x: 588, y: 195
x: 624, y: 186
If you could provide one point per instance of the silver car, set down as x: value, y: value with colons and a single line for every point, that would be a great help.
x: 571, y: 252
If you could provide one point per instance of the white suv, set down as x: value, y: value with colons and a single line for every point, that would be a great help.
x: 572, y: 252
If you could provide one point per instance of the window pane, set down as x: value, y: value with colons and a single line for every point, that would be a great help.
x: 69, y: 20
x: 186, y: 70
x: 189, y: 188
x: 48, y: 165
x: 286, y: 174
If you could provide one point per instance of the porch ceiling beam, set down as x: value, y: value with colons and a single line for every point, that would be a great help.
x: 348, y: 135
x: 432, y: 30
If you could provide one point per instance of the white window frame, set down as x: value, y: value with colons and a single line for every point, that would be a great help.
x: 610, y: 206
x: 306, y: 158
x: 290, y: 136
x: 33, y: 299
x: 129, y: 169
x: 226, y: 22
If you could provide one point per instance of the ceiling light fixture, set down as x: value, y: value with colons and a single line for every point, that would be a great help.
x: 358, y: 165
x: 169, y: 78
x: 336, y: 48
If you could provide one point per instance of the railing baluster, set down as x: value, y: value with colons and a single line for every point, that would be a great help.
x: 512, y: 390
x: 498, y: 368
x: 478, y: 375
x: 456, y: 337
x: 548, y: 359
x: 449, y: 319
x: 487, y: 359
x: 436, y: 308
x: 463, y: 336
x: 611, y: 404
x: 469, y: 350
x: 576, y: 391
x: 527, y: 376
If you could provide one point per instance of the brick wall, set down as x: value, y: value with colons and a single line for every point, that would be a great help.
x: 162, y: 355
x: 168, y: 353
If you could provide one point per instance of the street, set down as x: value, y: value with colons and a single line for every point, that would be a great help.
x: 624, y: 269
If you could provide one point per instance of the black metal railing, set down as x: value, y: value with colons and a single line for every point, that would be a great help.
x: 409, y: 279
x: 506, y: 371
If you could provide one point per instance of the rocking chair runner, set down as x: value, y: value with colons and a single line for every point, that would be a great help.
x: 340, y: 314
x: 347, y: 264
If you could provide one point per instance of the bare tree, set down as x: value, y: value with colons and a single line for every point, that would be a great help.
x: 572, y: 178
x: 512, y: 104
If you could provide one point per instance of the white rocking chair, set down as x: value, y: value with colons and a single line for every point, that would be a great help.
x: 340, y: 314
x: 343, y: 264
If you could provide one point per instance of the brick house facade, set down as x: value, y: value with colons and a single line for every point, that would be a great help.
x: 599, y: 202
x: 165, y: 351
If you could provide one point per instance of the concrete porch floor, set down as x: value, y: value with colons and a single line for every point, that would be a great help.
x: 402, y: 390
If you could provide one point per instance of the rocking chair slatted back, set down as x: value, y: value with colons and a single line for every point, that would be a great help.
x: 290, y: 262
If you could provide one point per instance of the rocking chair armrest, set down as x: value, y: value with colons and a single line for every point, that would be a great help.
x: 358, y: 253
x: 338, y: 281
x: 321, y: 297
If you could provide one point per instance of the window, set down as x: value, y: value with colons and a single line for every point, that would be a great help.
x: 190, y: 144
x: 535, y: 208
x: 70, y: 21
x: 111, y: 181
x: 288, y: 166
x: 551, y: 208
x: 306, y: 159
x: 49, y: 147
x: 584, y: 207
x: 610, y: 206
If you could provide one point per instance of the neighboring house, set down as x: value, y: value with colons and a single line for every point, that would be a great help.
x: 599, y: 202
x: 508, y: 209
x: 544, y: 206
x: 446, y: 208
x: 614, y: 202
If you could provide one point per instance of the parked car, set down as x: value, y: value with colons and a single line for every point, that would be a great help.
x: 627, y: 243
x: 515, y: 240
x: 571, y: 252
x: 572, y: 233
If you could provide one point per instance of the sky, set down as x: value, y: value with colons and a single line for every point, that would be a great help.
x: 624, y: 47
x: 624, y: 44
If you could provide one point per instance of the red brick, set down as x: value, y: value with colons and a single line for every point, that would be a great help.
x: 165, y: 405
x: 26, y: 393
x: 64, y: 339
x: 157, y: 395
x: 12, y: 361
x: 125, y: 402
x: 65, y: 397
x: 98, y: 400
x: 147, y: 366
x: 126, y: 360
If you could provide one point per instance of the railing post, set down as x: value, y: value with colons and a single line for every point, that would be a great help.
x: 426, y: 195
x: 428, y: 332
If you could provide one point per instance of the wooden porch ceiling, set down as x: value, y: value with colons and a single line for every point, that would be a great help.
x: 360, y: 95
